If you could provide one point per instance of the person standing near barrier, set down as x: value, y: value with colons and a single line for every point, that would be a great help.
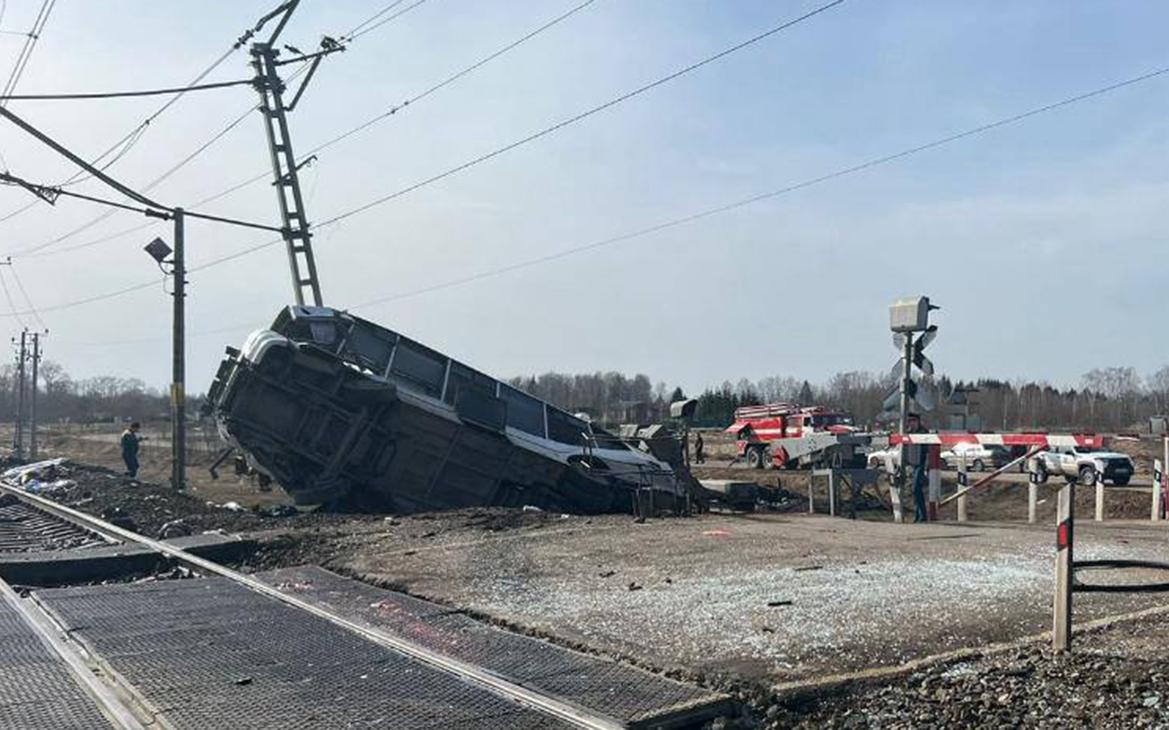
x: 130, y: 441
x: 699, y: 444
x: 916, y: 459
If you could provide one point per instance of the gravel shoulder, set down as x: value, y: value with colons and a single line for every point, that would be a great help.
x: 773, y: 598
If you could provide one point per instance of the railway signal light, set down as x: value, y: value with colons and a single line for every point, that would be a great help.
x: 906, y: 317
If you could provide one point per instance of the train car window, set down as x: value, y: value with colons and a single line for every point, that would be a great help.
x: 463, y: 378
x: 523, y: 411
x: 418, y: 368
x: 369, y: 347
x: 565, y: 428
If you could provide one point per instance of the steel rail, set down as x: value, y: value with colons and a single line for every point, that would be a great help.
x: 469, y: 673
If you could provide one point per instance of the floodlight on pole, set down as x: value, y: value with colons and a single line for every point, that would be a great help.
x: 160, y: 252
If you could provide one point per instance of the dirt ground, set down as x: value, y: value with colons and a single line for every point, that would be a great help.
x: 813, y: 621
x: 101, y: 448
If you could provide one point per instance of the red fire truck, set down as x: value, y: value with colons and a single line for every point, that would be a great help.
x: 783, y: 433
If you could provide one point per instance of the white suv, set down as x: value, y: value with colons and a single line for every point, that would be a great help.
x: 1084, y: 464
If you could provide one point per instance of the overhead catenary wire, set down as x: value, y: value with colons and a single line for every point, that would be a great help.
x: 681, y: 220
x: 24, y: 292
x: 123, y: 94
x: 365, y: 27
x: 30, y: 44
x: 36, y: 251
x: 390, y: 112
x: 585, y: 114
x: 131, y: 138
x: 8, y: 298
x: 575, y: 118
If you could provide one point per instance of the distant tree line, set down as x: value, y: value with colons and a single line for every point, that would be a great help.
x: 1107, y: 399
x: 606, y: 397
x: 98, y: 399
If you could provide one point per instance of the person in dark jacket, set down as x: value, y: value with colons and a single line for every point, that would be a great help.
x: 918, y: 458
x: 130, y: 441
x: 699, y: 445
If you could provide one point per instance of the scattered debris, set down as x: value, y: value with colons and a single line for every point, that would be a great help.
x: 174, y: 528
x: 116, y: 517
x: 777, y: 604
x: 277, y: 510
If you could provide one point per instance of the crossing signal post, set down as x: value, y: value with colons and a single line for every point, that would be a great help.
x: 912, y: 333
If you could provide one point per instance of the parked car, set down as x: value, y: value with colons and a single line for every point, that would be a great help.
x: 978, y: 457
x: 1084, y: 464
x: 888, y: 459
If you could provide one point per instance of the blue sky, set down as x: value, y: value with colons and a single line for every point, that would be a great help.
x: 1042, y: 241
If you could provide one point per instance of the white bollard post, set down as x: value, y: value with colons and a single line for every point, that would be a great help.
x: 895, y: 499
x: 935, y: 483
x: 963, y: 479
x: 1061, y: 630
x: 1032, y: 502
x: 811, y: 501
x: 1158, y: 475
x: 1099, y: 499
x: 831, y: 493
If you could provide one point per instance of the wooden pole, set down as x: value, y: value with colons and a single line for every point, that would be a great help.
x: 1032, y: 502
x: 1061, y: 632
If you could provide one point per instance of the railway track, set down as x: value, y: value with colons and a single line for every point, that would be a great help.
x: 216, y: 604
x: 25, y: 528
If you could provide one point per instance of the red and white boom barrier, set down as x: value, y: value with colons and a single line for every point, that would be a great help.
x: 1041, y: 440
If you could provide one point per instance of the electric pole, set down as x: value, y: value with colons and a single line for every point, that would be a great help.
x: 32, y: 433
x: 903, y: 416
x: 179, y: 361
x: 285, y: 169
x: 18, y: 443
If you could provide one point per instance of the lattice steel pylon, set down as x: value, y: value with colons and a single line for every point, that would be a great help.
x: 285, y: 169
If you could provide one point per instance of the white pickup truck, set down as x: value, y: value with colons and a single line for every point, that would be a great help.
x: 1084, y: 464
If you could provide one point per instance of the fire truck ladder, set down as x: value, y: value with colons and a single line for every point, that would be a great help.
x: 285, y: 169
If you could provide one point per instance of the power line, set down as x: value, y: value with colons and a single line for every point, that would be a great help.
x: 372, y: 18
x: 131, y: 138
x: 32, y: 307
x: 869, y: 164
x: 319, y: 148
x: 744, y: 202
x: 584, y: 115
x: 358, y: 32
x: 11, y: 306
x: 122, y: 94
x: 36, y: 251
x: 38, y: 27
x: 150, y: 186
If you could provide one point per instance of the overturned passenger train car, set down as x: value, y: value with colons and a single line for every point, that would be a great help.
x: 341, y: 411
